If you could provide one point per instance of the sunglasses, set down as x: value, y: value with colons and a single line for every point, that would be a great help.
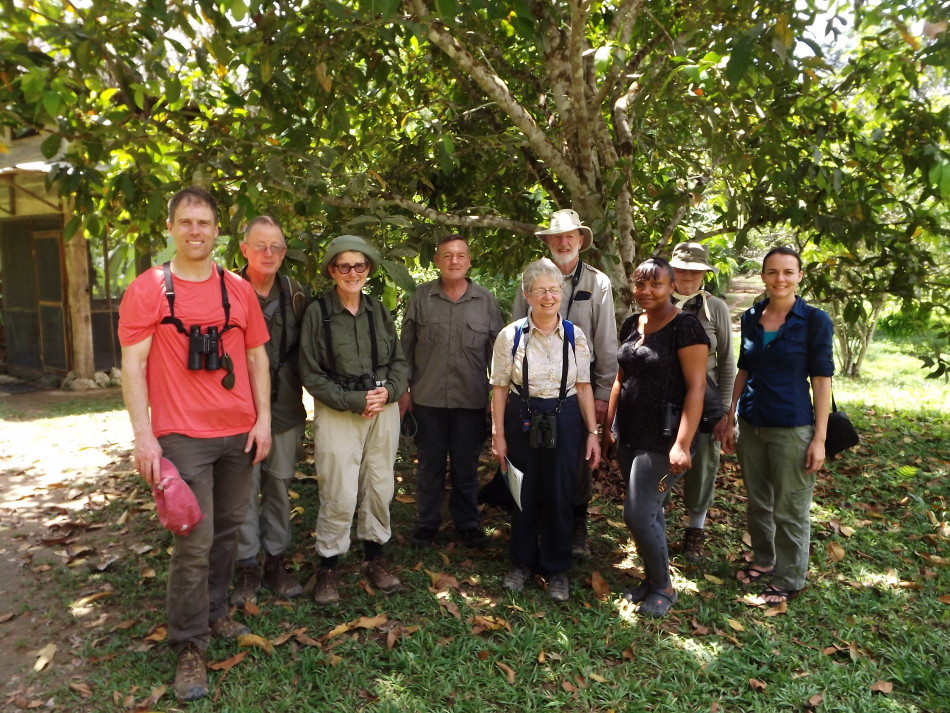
x: 227, y: 381
x: 359, y: 268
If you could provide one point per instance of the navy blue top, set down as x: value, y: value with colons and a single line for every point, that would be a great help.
x: 777, y: 393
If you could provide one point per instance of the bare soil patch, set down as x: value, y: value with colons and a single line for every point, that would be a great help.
x: 53, y: 469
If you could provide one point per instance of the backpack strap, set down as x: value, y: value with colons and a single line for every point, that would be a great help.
x: 328, y: 334
x: 170, y: 297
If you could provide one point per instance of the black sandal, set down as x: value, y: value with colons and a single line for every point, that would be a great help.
x: 638, y: 593
x: 751, y: 575
x: 783, y: 595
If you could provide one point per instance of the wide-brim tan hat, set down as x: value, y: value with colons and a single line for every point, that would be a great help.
x: 563, y: 221
x: 691, y: 256
x: 348, y: 243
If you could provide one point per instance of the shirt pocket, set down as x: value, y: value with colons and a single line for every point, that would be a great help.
x: 475, y: 338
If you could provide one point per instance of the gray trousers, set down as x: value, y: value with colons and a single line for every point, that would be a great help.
x: 778, y: 512
x: 218, y: 471
x: 267, y: 522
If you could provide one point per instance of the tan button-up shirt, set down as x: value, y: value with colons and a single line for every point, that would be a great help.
x: 448, y: 345
x: 545, y: 355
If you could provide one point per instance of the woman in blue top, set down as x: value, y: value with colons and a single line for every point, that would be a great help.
x: 780, y: 435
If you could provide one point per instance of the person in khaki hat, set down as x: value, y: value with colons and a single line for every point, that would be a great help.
x: 588, y: 302
x: 690, y: 263
x: 352, y: 364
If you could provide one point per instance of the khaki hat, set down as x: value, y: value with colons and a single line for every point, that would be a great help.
x: 691, y: 256
x: 346, y: 243
x: 565, y: 220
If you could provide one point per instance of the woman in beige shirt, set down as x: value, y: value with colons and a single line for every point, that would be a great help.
x: 542, y: 416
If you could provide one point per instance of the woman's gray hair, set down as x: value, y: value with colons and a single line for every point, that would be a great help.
x: 538, y: 268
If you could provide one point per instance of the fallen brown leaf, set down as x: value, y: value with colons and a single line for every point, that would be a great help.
x: 441, y: 580
x: 885, y: 687
x: 44, y: 656
x: 287, y: 635
x: 757, y: 685
x: 735, y: 625
x: 228, y: 663
x: 488, y: 623
x: 157, y: 634
x: 835, y: 551
x: 569, y: 687
x: 713, y: 578
x: 81, y: 687
x: 944, y: 599
x: 815, y: 700
x: 600, y: 586
x: 403, y: 498
x: 508, y: 671
x: 258, y: 642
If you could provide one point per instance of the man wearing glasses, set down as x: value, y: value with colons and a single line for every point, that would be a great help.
x: 267, y: 522
x: 196, y: 385
x: 587, y: 300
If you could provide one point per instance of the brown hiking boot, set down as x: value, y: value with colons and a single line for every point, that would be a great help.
x: 325, y: 593
x: 226, y: 628
x: 278, y: 579
x: 693, y: 540
x: 191, y: 674
x: 375, y: 571
x: 247, y: 580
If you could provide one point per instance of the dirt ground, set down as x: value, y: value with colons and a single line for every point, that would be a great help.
x: 51, y: 470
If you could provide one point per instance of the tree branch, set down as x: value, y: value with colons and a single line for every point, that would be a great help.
x: 497, y: 90
x: 436, y: 216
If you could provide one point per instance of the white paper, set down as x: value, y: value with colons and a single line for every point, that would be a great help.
x: 515, y: 478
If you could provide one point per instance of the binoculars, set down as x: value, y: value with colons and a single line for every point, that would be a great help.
x: 543, y: 430
x: 364, y: 382
x: 204, y: 350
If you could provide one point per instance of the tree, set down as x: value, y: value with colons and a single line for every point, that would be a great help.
x: 656, y: 121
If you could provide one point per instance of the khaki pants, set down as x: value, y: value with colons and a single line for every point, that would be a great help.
x: 267, y: 523
x: 779, y: 505
x: 354, y: 458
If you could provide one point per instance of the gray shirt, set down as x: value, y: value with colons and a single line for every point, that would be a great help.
x: 448, y: 345
x: 593, y: 311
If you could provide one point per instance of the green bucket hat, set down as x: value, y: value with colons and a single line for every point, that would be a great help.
x: 346, y: 243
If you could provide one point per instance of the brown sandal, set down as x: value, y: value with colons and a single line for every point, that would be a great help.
x: 751, y: 575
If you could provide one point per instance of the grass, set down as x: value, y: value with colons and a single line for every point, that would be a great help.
x: 870, y: 618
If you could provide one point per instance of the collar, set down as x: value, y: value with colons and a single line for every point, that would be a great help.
x: 689, y: 303
x: 558, y: 330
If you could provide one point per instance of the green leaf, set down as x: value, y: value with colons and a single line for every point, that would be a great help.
x: 52, y: 104
x: 740, y: 59
x: 447, y: 9
x: 50, y: 145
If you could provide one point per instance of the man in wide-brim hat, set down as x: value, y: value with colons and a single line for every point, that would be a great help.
x: 587, y: 300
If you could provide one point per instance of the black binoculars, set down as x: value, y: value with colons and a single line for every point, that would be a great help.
x: 363, y: 382
x: 670, y: 425
x: 543, y: 431
x: 204, y: 350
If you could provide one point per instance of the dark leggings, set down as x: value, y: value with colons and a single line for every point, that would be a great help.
x: 643, y: 510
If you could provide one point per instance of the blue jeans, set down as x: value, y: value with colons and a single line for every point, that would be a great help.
x: 218, y: 471
x: 778, y: 513
x: 457, y: 434
x: 643, y: 509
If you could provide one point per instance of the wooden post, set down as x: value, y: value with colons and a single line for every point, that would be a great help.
x: 76, y: 252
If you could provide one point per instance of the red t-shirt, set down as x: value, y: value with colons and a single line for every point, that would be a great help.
x: 194, y: 403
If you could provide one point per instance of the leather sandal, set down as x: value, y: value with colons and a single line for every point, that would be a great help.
x: 751, y: 575
x: 782, y: 595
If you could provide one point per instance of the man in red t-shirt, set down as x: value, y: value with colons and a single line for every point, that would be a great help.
x: 196, y: 383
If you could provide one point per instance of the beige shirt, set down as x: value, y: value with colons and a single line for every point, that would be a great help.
x: 593, y: 311
x: 544, y: 360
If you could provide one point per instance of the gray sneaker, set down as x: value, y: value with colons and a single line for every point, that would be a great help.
x: 516, y: 578
x: 559, y: 588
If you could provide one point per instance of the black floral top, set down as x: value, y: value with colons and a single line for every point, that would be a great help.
x: 652, y: 376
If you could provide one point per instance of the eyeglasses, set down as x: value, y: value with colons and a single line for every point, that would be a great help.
x: 275, y: 249
x: 227, y: 381
x: 359, y: 268
x: 542, y: 291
